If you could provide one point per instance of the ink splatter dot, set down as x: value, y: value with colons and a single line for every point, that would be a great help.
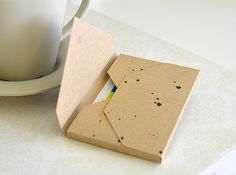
x: 137, y: 80
x: 122, y: 138
x: 141, y: 69
x: 160, y: 152
x: 174, y: 81
x: 157, y: 102
x: 93, y: 135
x: 153, y: 135
x: 126, y: 82
x: 135, y: 115
x: 178, y: 87
x: 132, y: 69
x: 100, y: 121
x: 118, y: 140
x: 119, y: 119
x: 152, y: 93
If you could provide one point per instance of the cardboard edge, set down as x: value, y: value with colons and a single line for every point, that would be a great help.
x: 181, y: 114
x: 112, y: 147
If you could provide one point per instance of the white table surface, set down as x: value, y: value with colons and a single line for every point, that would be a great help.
x: 205, y: 27
x: 32, y: 143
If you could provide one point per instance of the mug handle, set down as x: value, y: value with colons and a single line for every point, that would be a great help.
x: 79, y: 14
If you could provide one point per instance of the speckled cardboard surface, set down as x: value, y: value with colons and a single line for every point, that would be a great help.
x: 148, y: 104
x: 141, y: 117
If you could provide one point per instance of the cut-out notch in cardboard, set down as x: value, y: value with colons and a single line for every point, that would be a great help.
x: 141, y: 117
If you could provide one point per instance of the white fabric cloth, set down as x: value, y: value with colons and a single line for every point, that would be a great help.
x: 31, y: 141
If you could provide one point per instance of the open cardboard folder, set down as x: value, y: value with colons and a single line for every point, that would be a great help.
x: 143, y: 113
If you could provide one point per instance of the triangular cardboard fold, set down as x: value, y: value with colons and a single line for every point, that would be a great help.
x: 141, y: 117
x: 91, y: 126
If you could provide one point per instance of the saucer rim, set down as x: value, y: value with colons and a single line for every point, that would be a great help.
x: 39, y: 85
x: 32, y: 87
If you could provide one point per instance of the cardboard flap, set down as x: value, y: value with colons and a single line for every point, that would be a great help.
x: 126, y: 64
x: 90, y: 50
x: 148, y: 104
x: 92, y: 124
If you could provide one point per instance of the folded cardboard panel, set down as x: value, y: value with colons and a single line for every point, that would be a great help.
x: 148, y: 105
x: 141, y: 117
x: 90, y: 52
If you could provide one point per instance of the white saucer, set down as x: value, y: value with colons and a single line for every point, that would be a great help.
x: 36, y: 86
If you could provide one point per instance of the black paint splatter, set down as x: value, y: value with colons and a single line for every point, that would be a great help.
x: 178, y: 87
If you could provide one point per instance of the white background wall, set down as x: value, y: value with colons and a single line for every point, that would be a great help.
x: 205, y: 27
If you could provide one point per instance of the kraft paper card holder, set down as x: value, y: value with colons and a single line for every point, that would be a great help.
x: 141, y: 117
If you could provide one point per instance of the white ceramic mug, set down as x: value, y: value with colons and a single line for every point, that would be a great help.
x: 30, y: 34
